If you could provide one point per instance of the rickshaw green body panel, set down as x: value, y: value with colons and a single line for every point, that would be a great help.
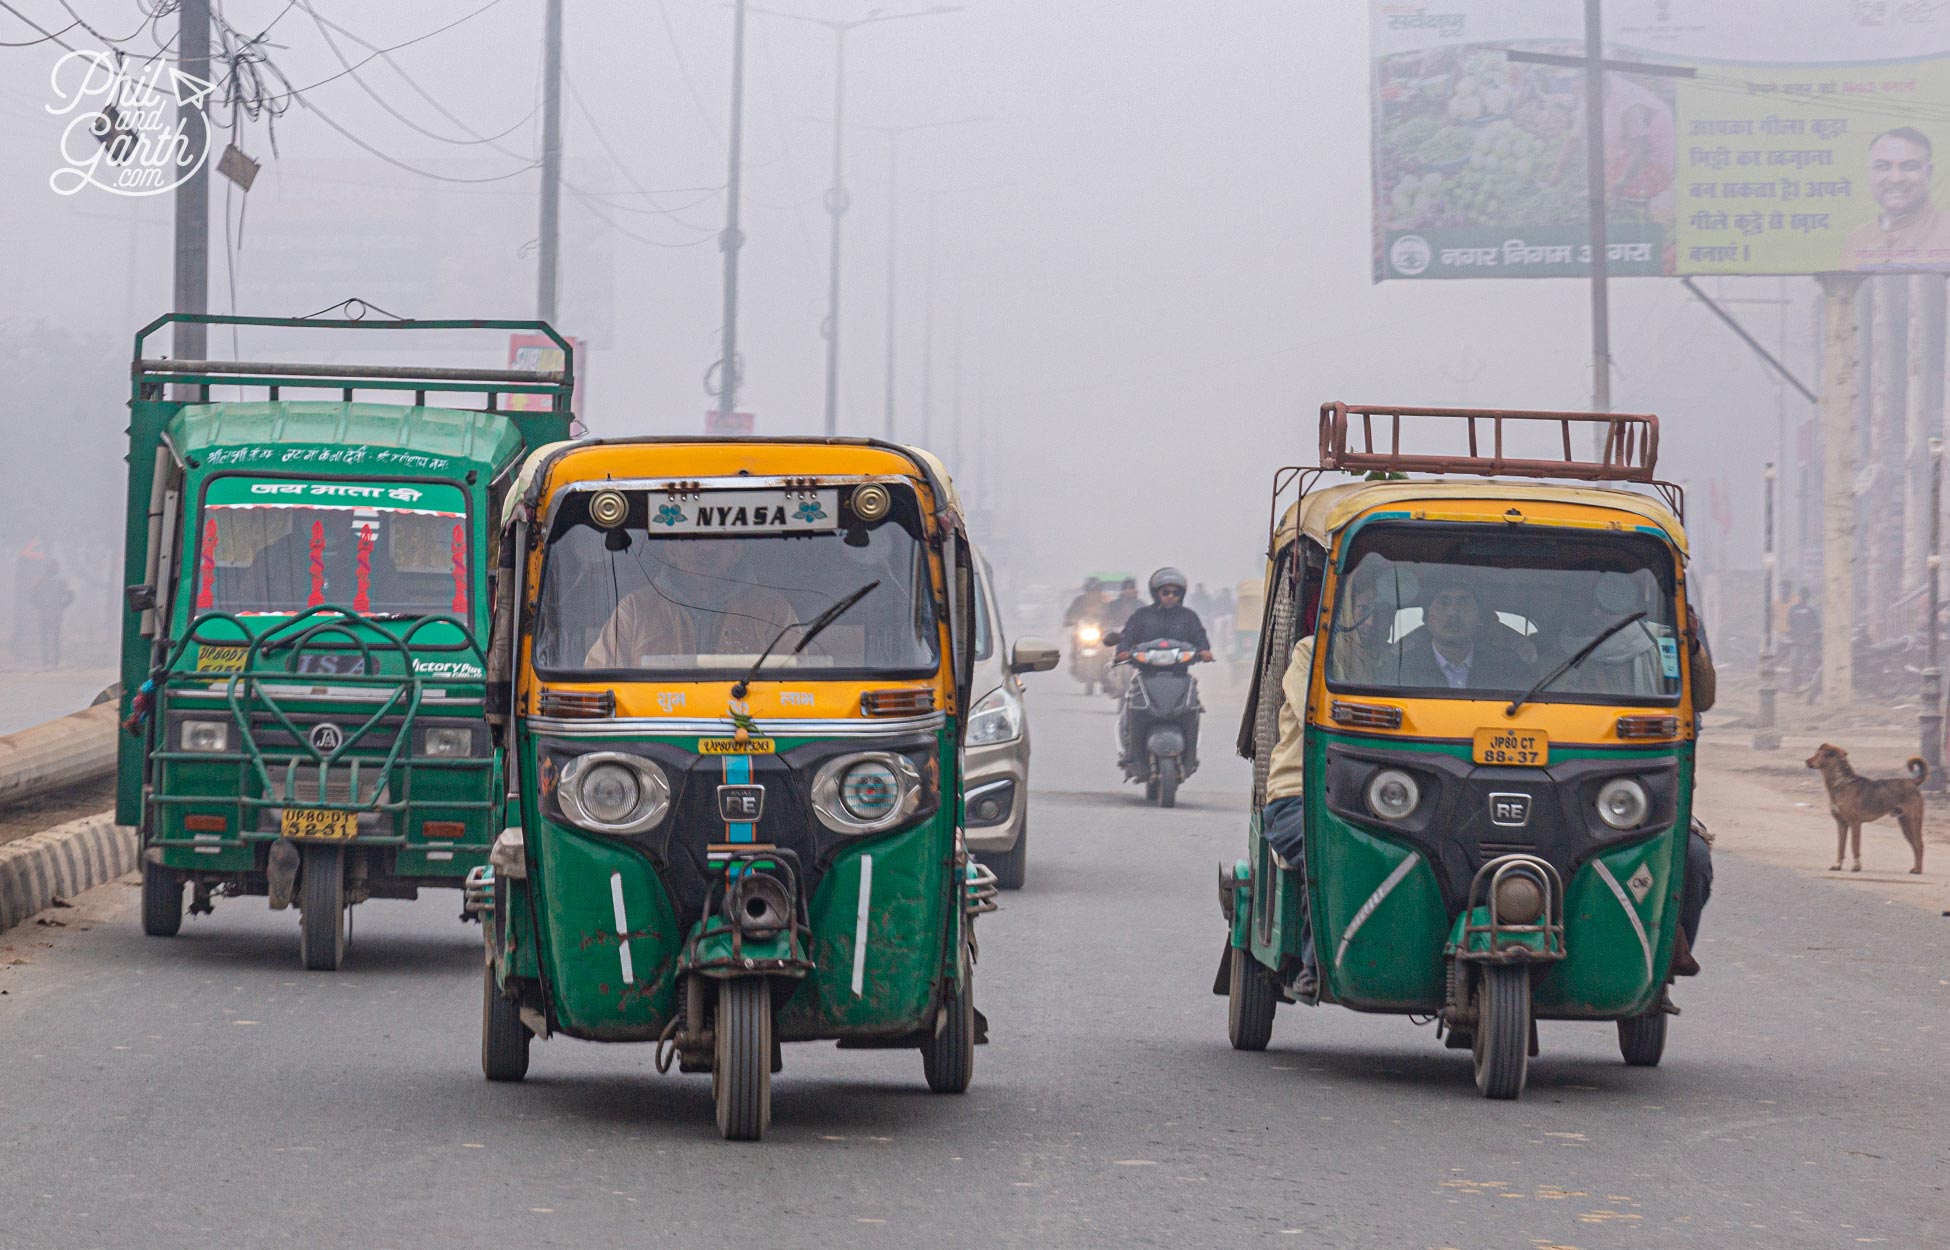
x: 562, y: 926
x: 1382, y: 929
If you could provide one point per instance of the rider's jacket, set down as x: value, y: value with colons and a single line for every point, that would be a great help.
x: 1154, y: 621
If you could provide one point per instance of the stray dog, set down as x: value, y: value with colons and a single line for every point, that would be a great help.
x: 1854, y: 801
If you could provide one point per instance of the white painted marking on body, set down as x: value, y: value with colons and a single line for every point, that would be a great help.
x: 622, y: 927
x: 860, y: 926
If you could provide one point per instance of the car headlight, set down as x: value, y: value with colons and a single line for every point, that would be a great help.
x: 1622, y: 803
x: 205, y: 735
x: 867, y: 793
x: 997, y: 717
x: 450, y: 741
x: 1393, y: 794
x: 610, y: 792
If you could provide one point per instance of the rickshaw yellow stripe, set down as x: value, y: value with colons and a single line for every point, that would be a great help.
x: 1374, y: 900
x: 1631, y: 912
x: 622, y: 927
x: 860, y: 927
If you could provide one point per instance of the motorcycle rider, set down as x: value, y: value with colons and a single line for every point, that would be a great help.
x: 1165, y: 617
x: 1088, y: 606
x: 1119, y: 610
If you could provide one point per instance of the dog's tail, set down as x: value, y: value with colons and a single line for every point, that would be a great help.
x: 1918, y: 770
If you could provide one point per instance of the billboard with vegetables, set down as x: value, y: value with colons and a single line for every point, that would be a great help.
x: 1802, y: 142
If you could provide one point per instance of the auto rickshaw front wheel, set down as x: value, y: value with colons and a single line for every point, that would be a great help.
x: 162, y: 901
x: 504, y: 1038
x: 321, y: 903
x: 1642, y: 1039
x: 948, y: 1058
x: 1502, y: 1047
x: 741, y: 1073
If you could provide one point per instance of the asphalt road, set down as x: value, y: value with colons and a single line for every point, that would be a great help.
x: 203, y: 1091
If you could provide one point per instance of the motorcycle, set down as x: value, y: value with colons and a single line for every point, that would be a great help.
x: 1089, y: 655
x: 1158, y: 724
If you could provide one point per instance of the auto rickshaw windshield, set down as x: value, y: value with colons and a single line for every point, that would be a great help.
x: 1477, y: 612
x: 629, y: 603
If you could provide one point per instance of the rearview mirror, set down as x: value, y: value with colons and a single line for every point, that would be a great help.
x: 1033, y: 655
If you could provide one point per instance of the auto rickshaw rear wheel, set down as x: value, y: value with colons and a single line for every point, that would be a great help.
x: 1642, y: 1039
x: 321, y: 902
x: 162, y: 901
x: 1251, y: 1000
x: 504, y: 1038
x: 1502, y: 1047
x: 741, y: 1073
x: 948, y: 1058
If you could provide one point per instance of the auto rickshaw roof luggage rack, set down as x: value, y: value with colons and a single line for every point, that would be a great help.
x: 149, y: 375
x: 1629, y: 453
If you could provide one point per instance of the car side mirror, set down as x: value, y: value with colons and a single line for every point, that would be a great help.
x: 1112, y: 638
x: 139, y: 598
x: 1033, y: 655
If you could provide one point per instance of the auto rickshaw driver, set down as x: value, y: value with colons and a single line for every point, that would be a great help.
x: 693, y: 607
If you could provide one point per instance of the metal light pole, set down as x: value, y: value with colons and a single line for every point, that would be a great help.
x: 192, y: 277
x: 1766, y: 736
x: 1931, y: 747
x: 837, y: 198
x: 1594, y: 159
x: 733, y: 238
x: 547, y: 283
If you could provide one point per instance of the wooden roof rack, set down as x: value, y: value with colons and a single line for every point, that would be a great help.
x: 1359, y: 438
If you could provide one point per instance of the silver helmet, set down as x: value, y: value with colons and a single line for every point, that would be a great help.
x: 1167, y: 576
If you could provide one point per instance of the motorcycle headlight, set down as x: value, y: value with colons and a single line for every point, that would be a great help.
x: 867, y: 793
x: 450, y: 741
x: 997, y: 717
x: 1622, y: 803
x: 204, y: 735
x: 1089, y: 633
x: 1393, y: 794
x: 610, y: 792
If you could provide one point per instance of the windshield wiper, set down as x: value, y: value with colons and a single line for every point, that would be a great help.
x: 1583, y: 654
x: 812, y: 629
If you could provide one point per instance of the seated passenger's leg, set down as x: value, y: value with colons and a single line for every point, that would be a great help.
x: 1699, y: 882
x: 1284, y: 821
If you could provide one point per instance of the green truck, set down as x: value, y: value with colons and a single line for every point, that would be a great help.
x: 304, y: 673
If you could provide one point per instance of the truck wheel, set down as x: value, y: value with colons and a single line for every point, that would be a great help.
x: 948, y: 1058
x: 504, y: 1038
x: 1012, y: 866
x: 1250, y: 1002
x: 321, y: 898
x: 741, y: 1076
x: 162, y: 900
x: 1642, y: 1039
x: 1168, y: 781
x: 1503, y: 1030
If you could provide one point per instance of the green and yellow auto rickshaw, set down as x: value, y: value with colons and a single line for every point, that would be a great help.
x: 737, y: 678
x: 1496, y: 745
x: 302, y: 649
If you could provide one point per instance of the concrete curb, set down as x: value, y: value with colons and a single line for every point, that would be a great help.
x: 62, y: 862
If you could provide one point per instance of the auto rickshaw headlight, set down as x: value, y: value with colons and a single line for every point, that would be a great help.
x: 205, y: 735
x: 1519, y: 898
x: 610, y: 792
x: 1393, y: 794
x: 1622, y: 803
x: 866, y: 793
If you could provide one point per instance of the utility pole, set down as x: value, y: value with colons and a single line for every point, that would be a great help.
x: 192, y: 278
x: 838, y: 200
x: 1932, y: 713
x: 551, y: 229
x: 927, y: 335
x: 733, y: 238
x: 1766, y: 736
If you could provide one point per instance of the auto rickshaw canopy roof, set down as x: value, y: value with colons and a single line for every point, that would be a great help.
x: 356, y: 431
x: 1320, y: 514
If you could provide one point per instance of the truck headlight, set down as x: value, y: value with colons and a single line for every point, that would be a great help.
x: 1622, y: 803
x: 867, y: 793
x: 997, y: 717
x: 205, y: 735
x: 610, y: 792
x: 450, y: 741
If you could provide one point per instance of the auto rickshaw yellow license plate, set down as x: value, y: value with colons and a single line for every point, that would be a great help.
x: 1529, y: 748
x: 314, y: 822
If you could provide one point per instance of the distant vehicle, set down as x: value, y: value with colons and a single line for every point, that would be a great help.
x: 303, y: 668
x: 995, y: 785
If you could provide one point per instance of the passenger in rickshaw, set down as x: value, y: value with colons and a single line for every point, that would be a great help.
x: 1453, y: 648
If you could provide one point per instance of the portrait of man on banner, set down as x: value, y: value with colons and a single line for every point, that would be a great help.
x: 1908, y: 231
